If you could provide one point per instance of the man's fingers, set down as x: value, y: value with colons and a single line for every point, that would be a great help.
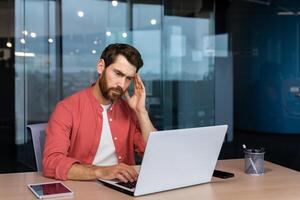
x: 138, y: 86
x: 129, y: 172
x: 121, y: 171
x: 136, y: 82
x: 127, y: 175
x: 120, y: 177
x: 141, y: 82
x: 132, y: 173
x: 124, y: 175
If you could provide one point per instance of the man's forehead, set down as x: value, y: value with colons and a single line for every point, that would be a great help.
x: 129, y: 73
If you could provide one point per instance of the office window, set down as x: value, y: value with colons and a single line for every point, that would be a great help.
x: 58, y: 46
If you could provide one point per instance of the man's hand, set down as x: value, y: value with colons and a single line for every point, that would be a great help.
x: 138, y: 99
x: 121, y: 172
x: 137, y: 102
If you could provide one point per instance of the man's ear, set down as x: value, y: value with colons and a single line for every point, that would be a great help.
x: 100, y: 66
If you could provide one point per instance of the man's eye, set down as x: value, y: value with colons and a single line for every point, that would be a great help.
x: 129, y: 78
x: 118, y: 73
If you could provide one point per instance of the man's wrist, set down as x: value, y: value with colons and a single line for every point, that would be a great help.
x: 82, y: 172
x: 141, y: 112
x: 96, y: 171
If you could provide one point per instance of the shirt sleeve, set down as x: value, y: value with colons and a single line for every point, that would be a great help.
x: 56, y: 162
x: 138, y: 140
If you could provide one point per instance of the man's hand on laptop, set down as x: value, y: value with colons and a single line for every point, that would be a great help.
x: 121, y: 171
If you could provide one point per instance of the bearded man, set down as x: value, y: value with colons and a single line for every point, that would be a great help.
x: 95, y: 132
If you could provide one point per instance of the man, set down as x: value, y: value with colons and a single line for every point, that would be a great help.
x: 94, y: 133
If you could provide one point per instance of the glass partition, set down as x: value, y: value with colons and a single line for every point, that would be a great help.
x: 37, y: 71
x: 188, y: 73
x: 58, y: 44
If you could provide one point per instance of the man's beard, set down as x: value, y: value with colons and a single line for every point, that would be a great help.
x: 112, y: 93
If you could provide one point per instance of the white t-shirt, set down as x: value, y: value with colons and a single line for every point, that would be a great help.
x: 106, y: 153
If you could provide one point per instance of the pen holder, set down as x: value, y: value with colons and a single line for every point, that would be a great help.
x: 254, y: 162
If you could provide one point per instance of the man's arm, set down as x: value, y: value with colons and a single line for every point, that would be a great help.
x: 121, y: 172
x: 56, y: 163
x: 137, y: 102
x: 145, y: 124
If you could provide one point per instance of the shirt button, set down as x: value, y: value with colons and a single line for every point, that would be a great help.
x: 120, y: 157
x: 110, y: 109
x: 115, y: 138
x: 110, y: 119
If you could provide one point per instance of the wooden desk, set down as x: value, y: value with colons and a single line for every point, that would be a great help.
x: 277, y: 183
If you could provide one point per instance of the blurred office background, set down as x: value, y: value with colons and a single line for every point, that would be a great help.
x: 207, y: 62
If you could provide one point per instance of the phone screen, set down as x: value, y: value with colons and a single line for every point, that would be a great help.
x: 50, y: 189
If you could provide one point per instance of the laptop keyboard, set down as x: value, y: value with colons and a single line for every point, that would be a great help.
x: 129, y: 185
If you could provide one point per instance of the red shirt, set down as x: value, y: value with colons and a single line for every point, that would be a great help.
x: 74, y: 131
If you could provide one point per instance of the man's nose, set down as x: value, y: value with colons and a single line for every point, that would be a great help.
x: 122, y: 82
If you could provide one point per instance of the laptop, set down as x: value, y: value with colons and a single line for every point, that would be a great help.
x: 175, y: 159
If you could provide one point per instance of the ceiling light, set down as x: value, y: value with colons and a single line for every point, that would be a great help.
x: 80, y: 13
x: 50, y: 40
x: 153, y: 21
x: 114, y: 3
x: 94, y: 51
x: 9, y: 44
x: 108, y: 33
x: 33, y: 35
x: 25, y: 32
x: 24, y: 54
x: 286, y: 13
x: 263, y: 2
x: 124, y: 35
x: 23, y: 41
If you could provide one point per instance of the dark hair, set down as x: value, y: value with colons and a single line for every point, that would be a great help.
x: 133, y: 56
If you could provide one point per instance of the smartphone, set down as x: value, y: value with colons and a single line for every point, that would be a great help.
x: 222, y: 174
x: 50, y: 190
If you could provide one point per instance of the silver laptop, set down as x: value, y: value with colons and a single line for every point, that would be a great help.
x: 175, y: 159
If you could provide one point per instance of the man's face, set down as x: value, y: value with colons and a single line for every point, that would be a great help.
x: 116, y: 78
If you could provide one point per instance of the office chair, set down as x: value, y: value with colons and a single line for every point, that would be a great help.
x: 37, y: 132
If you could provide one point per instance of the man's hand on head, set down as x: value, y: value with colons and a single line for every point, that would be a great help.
x: 138, y: 100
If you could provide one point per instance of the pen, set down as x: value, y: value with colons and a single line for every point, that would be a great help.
x: 251, y: 161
